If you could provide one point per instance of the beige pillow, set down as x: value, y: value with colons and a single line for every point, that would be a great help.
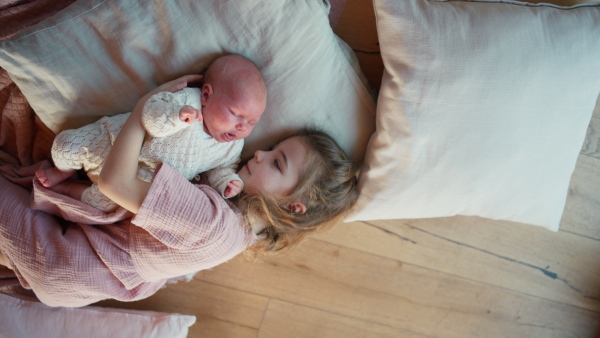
x: 99, y: 57
x: 483, y: 109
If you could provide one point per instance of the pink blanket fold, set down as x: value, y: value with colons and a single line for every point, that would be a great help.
x: 24, y: 140
x: 24, y: 147
x: 70, y: 209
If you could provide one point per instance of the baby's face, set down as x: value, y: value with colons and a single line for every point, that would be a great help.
x: 230, y: 116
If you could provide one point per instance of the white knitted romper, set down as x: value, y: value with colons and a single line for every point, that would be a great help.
x: 186, y: 148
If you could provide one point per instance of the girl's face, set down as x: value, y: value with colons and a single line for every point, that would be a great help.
x: 276, y: 171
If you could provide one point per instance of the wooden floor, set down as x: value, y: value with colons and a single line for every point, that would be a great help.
x: 450, y: 277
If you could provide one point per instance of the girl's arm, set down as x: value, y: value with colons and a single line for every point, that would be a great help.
x: 118, y: 179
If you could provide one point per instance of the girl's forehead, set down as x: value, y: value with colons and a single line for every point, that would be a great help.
x: 295, y: 149
x: 293, y: 142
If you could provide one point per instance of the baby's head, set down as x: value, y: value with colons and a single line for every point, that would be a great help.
x: 303, y: 183
x: 234, y: 96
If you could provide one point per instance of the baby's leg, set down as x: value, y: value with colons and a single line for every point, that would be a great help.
x: 73, y: 189
x: 74, y: 149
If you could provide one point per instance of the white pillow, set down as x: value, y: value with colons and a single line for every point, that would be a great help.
x: 99, y: 57
x: 21, y: 318
x: 483, y: 109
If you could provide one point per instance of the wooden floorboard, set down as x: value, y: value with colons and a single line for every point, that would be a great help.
x: 591, y: 145
x: 312, y: 322
x: 220, y: 311
x: 559, y: 266
x: 582, y: 210
x: 367, y: 287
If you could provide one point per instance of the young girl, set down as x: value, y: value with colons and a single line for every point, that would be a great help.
x: 303, y: 182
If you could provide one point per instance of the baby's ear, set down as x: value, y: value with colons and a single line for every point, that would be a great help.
x: 297, y: 207
x: 207, y: 92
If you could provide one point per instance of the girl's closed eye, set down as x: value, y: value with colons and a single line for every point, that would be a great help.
x: 277, y: 165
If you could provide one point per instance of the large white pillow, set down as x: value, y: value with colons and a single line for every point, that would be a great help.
x: 22, y: 318
x: 483, y: 109
x: 99, y: 57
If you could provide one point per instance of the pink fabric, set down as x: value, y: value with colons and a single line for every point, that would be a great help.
x: 24, y: 146
x: 18, y: 14
x: 181, y: 228
x: 337, y: 7
x: 24, y: 141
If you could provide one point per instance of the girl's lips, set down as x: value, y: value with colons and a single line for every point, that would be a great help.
x: 247, y: 169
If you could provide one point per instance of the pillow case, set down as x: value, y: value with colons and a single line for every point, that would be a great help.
x: 483, y: 109
x: 21, y: 318
x: 99, y: 57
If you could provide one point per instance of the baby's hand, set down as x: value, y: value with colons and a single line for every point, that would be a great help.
x: 189, y: 114
x: 233, y: 188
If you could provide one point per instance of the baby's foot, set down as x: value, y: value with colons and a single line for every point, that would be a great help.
x: 53, y: 176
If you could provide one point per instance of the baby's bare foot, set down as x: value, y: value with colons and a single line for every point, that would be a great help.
x: 53, y: 176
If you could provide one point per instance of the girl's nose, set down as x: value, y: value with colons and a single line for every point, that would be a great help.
x: 258, y: 155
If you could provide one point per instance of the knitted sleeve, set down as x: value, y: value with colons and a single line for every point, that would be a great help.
x: 219, y: 177
x: 160, y: 116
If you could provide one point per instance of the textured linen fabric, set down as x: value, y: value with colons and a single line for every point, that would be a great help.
x: 22, y: 318
x: 184, y: 147
x: 181, y: 228
x: 483, y: 109
x: 98, y: 57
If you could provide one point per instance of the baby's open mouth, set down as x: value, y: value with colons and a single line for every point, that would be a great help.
x: 228, y: 137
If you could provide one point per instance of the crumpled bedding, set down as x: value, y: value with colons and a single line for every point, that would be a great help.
x: 24, y: 140
x: 18, y: 14
x: 24, y: 147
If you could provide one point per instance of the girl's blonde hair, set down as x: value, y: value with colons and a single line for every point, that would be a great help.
x: 327, y: 188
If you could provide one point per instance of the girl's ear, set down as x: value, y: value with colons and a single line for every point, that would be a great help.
x: 207, y: 92
x: 297, y: 208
